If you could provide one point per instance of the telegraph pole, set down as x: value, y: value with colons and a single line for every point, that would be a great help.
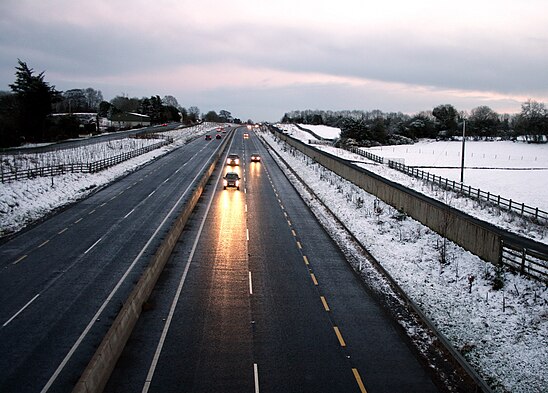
x: 462, y: 159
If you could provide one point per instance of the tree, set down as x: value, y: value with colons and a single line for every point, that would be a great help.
x: 225, y: 116
x: 193, y: 114
x: 483, y: 121
x: 532, y: 122
x: 125, y: 104
x: 211, y: 116
x: 35, y: 98
x: 446, y: 118
x: 170, y: 101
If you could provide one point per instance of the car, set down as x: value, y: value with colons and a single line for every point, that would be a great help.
x: 246, y: 136
x: 231, y: 179
x: 208, y: 137
x: 255, y: 157
x: 218, y: 136
x: 233, y: 159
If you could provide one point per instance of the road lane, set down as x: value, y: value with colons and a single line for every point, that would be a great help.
x: 75, y: 260
x: 268, y: 304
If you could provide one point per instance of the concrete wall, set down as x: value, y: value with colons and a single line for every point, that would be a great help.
x: 443, y: 219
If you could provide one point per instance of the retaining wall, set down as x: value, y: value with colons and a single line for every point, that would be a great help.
x: 441, y: 218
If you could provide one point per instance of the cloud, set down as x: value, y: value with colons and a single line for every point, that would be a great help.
x: 388, y: 55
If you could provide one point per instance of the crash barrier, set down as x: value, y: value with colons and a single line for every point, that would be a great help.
x: 97, y: 373
x: 479, y: 237
x: 92, y: 167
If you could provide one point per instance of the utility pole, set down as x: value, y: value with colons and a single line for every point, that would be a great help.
x: 462, y: 159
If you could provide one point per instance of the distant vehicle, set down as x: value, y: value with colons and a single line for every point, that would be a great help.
x: 218, y: 136
x: 246, y: 136
x: 164, y: 124
x: 231, y: 179
x: 208, y: 137
x: 233, y: 159
x: 255, y: 157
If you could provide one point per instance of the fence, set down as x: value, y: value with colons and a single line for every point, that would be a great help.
x: 490, y: 243
x: 91, y: 167
x: 521, y: 209
x: 525, y: 261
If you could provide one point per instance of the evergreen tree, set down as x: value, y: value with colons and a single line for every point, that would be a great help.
x: 34, y: 102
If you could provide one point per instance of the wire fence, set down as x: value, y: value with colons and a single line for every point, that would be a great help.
x: 92, y: 167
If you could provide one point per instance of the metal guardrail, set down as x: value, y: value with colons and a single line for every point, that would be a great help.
x: 92, y: 167
x: 534, y: 213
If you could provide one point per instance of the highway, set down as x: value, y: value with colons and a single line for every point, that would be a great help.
x: 257, y: 297
x: 63, y: 280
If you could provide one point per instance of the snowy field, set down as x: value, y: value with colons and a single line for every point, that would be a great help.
x: 505, y: 173
x: 514, y: 170
x: 502, y: 333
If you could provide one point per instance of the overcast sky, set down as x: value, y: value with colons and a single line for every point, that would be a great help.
x: 261, y: 58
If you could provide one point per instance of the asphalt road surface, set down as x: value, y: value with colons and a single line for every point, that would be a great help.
x: 63, y: 281
x: 256, y: 297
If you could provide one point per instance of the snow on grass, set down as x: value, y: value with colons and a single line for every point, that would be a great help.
x: 531, y: 184
x: 25, y: 201
x: 326, y: 132
x: 502, y: 333
x: 514, y: 170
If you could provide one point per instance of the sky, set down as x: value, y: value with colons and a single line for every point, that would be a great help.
x: 259, y: 59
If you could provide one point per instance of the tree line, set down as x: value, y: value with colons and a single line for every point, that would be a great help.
x: 369, y: 128
x: 27, y: 112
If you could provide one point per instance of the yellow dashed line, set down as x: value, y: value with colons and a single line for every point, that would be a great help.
x: 19, y: 260
x: 314, y: 278
x: 324, y: 302
x: 299, y: 245
x: 305, y: 260
x: 293, y: 233
x: 359, y: 380
x: 339, y: 336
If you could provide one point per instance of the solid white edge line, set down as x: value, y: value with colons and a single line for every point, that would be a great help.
x: 169, y: 318
x: 256, y: 377
x: 118, y: 285
x: 127, y: 215
x: 20, y: 311
x: 93, y: 245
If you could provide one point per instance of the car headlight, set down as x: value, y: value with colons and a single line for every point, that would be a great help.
x: 237, y: 183
x: 237, y: 161
x: 225, y: 183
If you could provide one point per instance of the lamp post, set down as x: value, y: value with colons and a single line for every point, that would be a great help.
x: 462, y: 158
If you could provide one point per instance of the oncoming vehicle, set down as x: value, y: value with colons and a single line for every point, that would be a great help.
x: 233, y: 159
x: 246, y: 136
x: 255, y: 157
x: 231, y: 179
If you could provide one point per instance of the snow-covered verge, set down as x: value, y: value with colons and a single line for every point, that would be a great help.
x: 26, y: 201
x: 512, y: 170
x: 502, y: 333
